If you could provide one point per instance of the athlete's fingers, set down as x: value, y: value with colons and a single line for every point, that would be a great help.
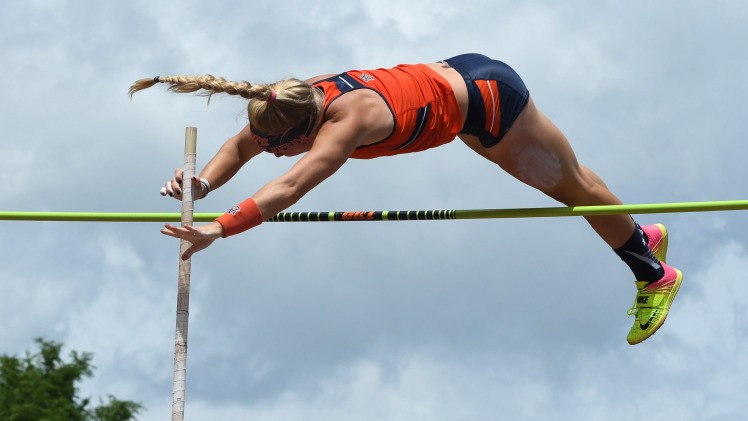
x: 176, y: 186
x: 171, y: 231
x: 167, y: 231
x: 198, y: 239
x: 178, y: 173
x: 173, y: 189
x: 193, y: 231
x: 167, y: 190
x: 189, y: 252
x: 186, y: 232
x: 195, y: 247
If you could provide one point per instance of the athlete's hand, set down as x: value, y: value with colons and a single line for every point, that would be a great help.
x: 201, y: 237
x: 173, y: 187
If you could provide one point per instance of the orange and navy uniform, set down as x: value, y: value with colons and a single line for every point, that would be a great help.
x: 423, y: 106
x: 424, y: 110
x: 496, y: 96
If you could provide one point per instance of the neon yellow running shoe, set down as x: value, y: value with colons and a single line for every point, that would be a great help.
x: 652, y: 304
x: 653, y: 299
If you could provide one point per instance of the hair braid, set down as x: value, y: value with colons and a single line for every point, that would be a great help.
x: 207, y: 83
x: 281, y: 105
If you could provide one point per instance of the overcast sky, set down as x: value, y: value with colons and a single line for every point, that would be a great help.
x: 453, y: 320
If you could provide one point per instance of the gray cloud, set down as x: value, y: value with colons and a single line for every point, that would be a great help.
x: 433, y: 320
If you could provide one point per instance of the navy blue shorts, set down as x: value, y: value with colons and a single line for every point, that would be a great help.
x: 496, y: 96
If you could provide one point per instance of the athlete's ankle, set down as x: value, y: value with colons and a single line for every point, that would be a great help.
x: 639, y: 258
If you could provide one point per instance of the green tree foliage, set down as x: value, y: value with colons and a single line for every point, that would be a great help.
x: 42, y: 386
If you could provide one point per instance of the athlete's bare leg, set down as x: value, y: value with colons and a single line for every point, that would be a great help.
x: 536, y: 152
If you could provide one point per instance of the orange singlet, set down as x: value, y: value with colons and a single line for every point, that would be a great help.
x: 422, y: 102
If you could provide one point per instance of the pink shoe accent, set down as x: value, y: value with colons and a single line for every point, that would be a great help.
x: 667, y: 281
x: 657, y: 240
x: 654, y: 235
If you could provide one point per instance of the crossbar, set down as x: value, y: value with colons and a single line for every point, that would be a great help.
x: 420, y: 215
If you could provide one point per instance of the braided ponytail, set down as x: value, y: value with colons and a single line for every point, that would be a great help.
x: 209, y: 84
x: 274, y: 108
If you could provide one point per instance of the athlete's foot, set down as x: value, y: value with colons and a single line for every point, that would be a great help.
x: 652, y: 303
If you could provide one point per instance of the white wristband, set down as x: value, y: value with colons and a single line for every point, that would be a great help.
x: 205, y: 184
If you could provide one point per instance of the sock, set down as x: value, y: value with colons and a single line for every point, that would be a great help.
x: 639, y: 258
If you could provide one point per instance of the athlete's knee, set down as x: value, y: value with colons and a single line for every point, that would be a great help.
x: 592, y: 176
x: 577, y: 190
x: 569, y: 196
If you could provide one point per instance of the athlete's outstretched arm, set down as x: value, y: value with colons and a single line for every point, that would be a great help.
x: 236, y: 152
x: 333, y: 145
x: 349, y: 124
x: 229, y: 159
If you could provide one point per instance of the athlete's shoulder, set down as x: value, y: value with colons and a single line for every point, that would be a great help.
x: 315, y: 79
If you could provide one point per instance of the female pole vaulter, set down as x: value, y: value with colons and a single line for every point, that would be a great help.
x: 409, y: 108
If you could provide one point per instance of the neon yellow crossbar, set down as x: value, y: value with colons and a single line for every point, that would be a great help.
x: 727, y: 205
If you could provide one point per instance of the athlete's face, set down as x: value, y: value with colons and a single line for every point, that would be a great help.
x: 287, y: 143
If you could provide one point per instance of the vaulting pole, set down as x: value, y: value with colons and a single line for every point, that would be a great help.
x: 183, y: 286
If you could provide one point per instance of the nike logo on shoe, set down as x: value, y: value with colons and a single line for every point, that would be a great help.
x: 644, y: 259
x: 645, y: 326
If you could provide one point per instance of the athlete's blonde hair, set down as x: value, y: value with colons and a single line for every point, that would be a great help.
x: 273, y: 108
